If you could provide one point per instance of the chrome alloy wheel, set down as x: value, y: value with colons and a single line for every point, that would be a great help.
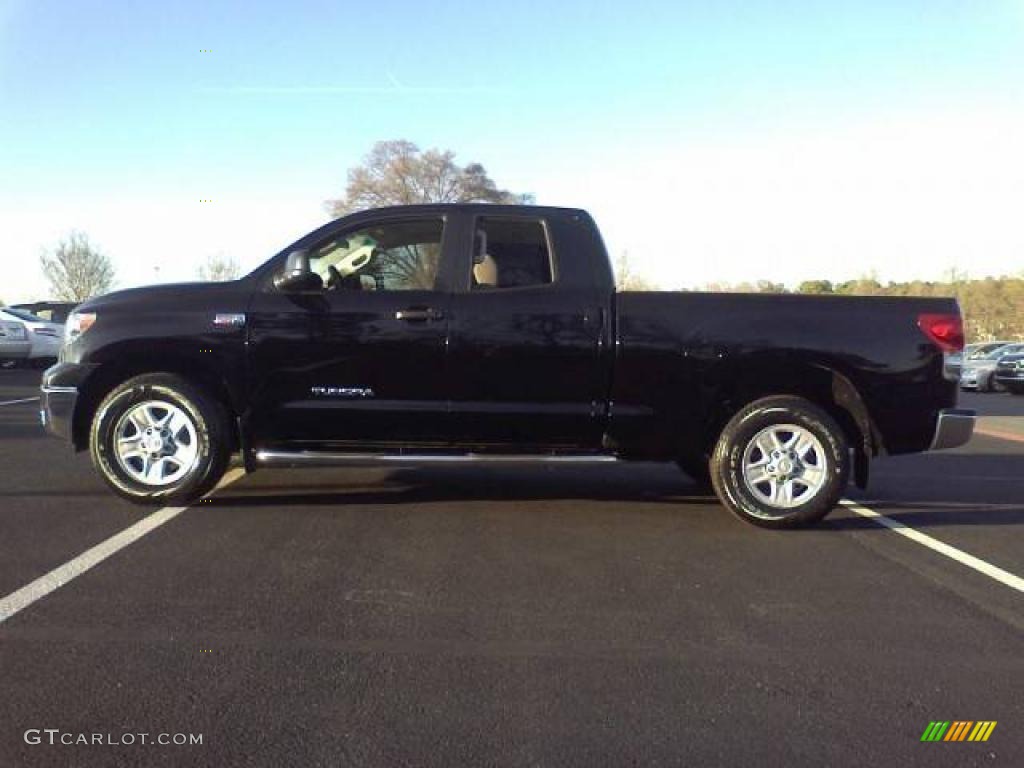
x: 784, y: 466
x: 156, y: 443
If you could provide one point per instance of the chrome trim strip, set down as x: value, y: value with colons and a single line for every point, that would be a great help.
x: 953, y: 428
x: 328, y: 458
x: 67, y: 390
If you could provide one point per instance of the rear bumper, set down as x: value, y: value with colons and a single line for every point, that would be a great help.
x: 1017, y: 377
x: 953, y: 428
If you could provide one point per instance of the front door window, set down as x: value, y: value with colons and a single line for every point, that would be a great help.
x: 393, y: 256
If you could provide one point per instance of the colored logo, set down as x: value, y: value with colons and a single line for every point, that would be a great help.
x: 958, y: 730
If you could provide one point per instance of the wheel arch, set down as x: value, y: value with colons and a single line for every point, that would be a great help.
x: 816, y: 381
x: 112, y: 374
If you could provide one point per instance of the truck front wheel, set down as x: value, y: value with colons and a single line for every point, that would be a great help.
x: 781, y: 462
x: 159, y: 439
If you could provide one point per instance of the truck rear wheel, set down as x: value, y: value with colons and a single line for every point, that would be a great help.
x: 159, y: 439
x: 781, y: 462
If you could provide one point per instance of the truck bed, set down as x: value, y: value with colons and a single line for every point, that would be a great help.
x: 683, y: 357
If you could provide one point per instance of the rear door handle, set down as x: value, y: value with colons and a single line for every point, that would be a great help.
x: 416, y: 314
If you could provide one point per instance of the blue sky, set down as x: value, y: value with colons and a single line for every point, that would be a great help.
x: 660, y: 118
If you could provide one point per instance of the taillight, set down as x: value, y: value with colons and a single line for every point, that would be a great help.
x: 945, y: 330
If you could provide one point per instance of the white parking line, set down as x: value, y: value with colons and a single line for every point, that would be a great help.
x: 58, y: 577
x: 18, y: 402
x: 964, y: 558
x: 999, y: 434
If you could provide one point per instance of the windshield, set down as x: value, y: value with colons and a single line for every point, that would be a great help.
x: 1006, y: 349
x: 21, y: 314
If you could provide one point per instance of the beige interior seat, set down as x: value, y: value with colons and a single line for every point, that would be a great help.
x: 485, y: 268
x: 485, y: 271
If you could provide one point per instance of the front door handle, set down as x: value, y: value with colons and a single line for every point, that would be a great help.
x: 414, y: 314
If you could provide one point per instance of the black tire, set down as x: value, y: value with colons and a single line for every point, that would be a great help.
x: 209, y: 422
x: 1015, y: 389
x: 829, y: 458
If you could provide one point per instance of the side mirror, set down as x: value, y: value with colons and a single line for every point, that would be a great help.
x: 296, y: 275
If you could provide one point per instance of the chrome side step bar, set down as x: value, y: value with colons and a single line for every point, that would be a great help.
x: 330, y: 459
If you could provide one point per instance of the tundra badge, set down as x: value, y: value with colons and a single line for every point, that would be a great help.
x: 341, y: 391
x: 233, y: 319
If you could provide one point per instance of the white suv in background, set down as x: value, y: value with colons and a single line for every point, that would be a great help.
x: 44, y: 338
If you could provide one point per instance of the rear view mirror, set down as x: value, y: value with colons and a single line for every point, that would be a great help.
x: 297, y: 275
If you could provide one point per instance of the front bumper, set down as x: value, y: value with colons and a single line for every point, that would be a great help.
x: 58, y: 396
x: 14, y: 350
x: 1010, y: 377
x: 975, y: 379
x: 57, y: 409
x: 953, y: 428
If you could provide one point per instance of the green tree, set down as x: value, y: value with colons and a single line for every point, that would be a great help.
x: 76, y: 270
x: 760, y: 286
x: 815, y: 286
x: 861, y: 287
x: 767, y: 286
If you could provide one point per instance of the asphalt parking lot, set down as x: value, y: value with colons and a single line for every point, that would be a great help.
x: 506, y: 616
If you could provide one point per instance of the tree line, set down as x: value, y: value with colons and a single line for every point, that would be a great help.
x: 993, y: 307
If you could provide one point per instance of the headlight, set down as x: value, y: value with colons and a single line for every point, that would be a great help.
x: 77, y: 324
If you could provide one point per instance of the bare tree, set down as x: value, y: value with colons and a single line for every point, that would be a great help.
x: 628, y: 280
x: 218, y: 268
x: 399, y: 173
x: 76, y: 270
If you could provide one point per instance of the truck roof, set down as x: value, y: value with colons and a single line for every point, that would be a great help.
x: 491, y: 208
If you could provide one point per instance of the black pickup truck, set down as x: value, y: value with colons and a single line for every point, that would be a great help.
x: 479, y: 333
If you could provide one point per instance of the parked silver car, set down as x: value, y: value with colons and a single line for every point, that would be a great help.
x: 45, y: 338
x: 955, y: 360
x: 14, y: 342
x: 978, y: 372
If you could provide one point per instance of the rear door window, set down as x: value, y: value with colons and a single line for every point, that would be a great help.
x: 511, y: 253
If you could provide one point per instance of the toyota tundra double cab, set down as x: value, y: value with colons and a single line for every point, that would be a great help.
x: 482, y: 333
